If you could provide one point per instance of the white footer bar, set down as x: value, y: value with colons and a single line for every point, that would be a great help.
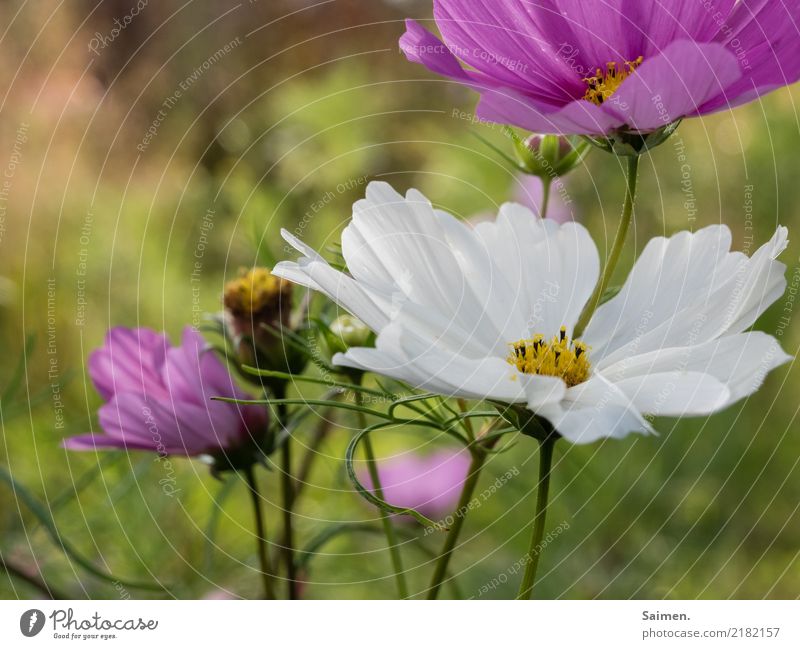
x: 390, y: 625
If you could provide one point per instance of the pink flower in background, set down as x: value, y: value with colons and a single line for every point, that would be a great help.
x: 158, y: 397
x: 429, y: 484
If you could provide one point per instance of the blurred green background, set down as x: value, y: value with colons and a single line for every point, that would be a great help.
x: 101, y: 222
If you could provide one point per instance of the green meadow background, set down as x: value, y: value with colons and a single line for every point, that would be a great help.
x: 137, y: 176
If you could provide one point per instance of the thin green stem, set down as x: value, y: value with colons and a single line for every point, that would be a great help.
x: 287, y: 490
x: 261, y: 534
x: 479, y: 455
x: 547, y: 184
x: 386, y: 520
x: 303, y: 472
x: 616, y: 250
x: 542, y: 496
x: 312, y: 453
x: 462, y: 405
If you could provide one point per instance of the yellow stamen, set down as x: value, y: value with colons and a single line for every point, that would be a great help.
x: 604, y: 84
x: 254, y: 291
x: 560, y: 357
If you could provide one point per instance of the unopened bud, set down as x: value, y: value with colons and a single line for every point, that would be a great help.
x: 550, y: 156
x: 348, y: 331
x: 343, y: 333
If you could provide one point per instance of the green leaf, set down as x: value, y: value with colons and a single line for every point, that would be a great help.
x: 305, y: 402
x: 335, y: 250
x: 298, y: 416
x: 213, y: 323
x: 304, y: 556
x: 474, y: 414
x: 580, y: 151
x: 499, y: 152
x: 43, y: 516
x: 310, y: 379
x: 371, y: 497
x: 411, y: 399
x: 406, y: 388
x: 609, y: 293
x: 499, y: 433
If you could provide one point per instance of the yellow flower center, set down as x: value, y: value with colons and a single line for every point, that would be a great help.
x: 254, y: 291
x: 560, y: 357
x: 604, y: 84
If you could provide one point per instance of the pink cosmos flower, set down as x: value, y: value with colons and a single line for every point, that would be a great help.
x: 158, y: 397
x: 598, y: 66
x: 429, y: 484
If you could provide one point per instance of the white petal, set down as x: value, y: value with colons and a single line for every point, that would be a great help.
x: 402, y: 355
x: 542, y: 390
x: 291, y: 271
x: 676, y: 394
x: 342, y: 289
x: 552, y: 269
x: 398, y: 244
x: 668, y: 275
x: 687, y: 289
x: 298, y: 245
x: 432, y: 325
x: 388, y: 357
x: 580, y: 271
x: 765, y: 282
x: 486, y: 281
x: 741, y: 362
x: 594, y: 410
x: 405, y: 249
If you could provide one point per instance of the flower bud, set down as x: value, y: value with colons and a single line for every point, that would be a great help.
x: 258, y: 296
x: 348, y: 331
x: 257, y: 306
x: 550, y: 156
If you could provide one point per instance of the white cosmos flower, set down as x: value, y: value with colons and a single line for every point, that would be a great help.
x: 450, y: 303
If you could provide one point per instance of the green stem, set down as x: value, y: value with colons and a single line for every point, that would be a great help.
x: 386, y: 521
x: 261, y: 534
x: 440, y: 571
x: 547, y: 184
x: 287, y: 489
x: 312, y: 453
x: 542, y: 495
x: 462, y: 405
x: 287, y: 492
x: 616, y: 250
